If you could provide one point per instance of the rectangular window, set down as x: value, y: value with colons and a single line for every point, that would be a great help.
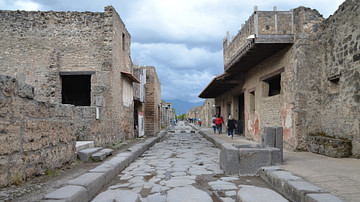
x: 274, y: 85
x: 271, y: 83
x: 76, y: 89
x: 123, y: 41
x: 334, y: 86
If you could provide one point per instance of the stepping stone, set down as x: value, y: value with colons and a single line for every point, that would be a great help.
x: 81, y: 145
x: 98, y: 156
x: 84, y: 155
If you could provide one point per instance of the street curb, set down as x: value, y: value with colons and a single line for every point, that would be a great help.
x: 85, y: 186
x: 292, y: 187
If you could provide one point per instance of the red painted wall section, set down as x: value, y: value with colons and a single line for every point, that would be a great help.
x: 287, y: 112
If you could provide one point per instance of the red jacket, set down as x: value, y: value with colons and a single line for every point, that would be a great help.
x: 218, y: 121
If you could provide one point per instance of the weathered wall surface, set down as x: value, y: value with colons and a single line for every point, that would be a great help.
x: 319, y: 99
x: 207, y: 112
x: 34, y: 135
x: 38, y: 46
x: 152, y: 103
x: 340, y: 109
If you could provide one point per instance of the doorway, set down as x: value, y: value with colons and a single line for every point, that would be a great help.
x: 241, y: 118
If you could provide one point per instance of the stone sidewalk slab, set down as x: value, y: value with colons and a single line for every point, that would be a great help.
x: 68, y: 193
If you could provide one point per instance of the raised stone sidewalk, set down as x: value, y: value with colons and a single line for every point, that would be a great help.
x: 84, y: 187
x: 332, y: 179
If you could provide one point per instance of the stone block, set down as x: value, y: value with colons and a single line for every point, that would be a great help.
x: 68, y: 193
x: 330, y: 146
x: 252, y: 193
x: 252, y: 159
x: 98, y: 156
x: 80, y: 145
x: 36, y: 134
x: 279, y: 141
x: 277, y: 179
x: 276, y: 157
x: 46, y: 109
x: 119, y: 163
x: 18, y: 108
x: 229, y: 159
x: 84, y: 155
x: 25, y: 90
x: 321, y: 197
x: 64, y: 110
x: 8, y: 86
x: 5, y: 109
x: 85, y: 112
x: 297, y: 190
x: 92, y: 182
x: 9, y: 137
x: 269, y: 136
x: 109, y: 170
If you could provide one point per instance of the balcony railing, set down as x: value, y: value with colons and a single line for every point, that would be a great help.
x: 272, y: 24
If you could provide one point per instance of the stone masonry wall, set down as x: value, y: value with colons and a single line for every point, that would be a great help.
x: 152, y: 102
x: 207, y: 112
x: 340, y: 111
x: 34, y: 135
x: 42, y: 44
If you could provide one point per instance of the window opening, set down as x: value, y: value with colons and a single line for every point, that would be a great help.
x: 76, y: 89
x: 334, y: 85
x: 274, y: 85
x: 123, y: 41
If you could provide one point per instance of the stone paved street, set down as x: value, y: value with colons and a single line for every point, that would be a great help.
x: 183, y: 167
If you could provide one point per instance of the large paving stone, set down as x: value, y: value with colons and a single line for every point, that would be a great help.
x: 190, y: 193
x: 68, y: 193
x: 177, y: 182
x: 322, y: 197
x: 222, y: 185
x: 256, y: 194
x: 156, y: 198
x: 117, y: 195
x: 93, y: 182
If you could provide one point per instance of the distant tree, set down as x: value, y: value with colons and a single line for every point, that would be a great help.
x: 181, y: 117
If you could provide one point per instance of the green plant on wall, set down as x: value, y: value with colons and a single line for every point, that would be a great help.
x: 16, y: 180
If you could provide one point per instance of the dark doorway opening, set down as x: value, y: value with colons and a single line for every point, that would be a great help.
x: 241, y: 119
x: 76, y: 89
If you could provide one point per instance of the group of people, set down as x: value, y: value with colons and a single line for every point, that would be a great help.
x: 194, y: 120
x: 217, y: 122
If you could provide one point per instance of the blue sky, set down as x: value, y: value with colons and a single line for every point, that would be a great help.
x: 181, y: 38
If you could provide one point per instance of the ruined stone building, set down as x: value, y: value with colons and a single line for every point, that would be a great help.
x: 67, y: 76
x: 148, y: 102
x: 296, y: 70
x: 207, y: 112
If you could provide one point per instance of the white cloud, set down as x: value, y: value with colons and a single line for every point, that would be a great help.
x: 27, y: 5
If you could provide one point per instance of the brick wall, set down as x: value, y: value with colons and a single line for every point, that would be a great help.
x: 152, y: 102
x: 35, y: 136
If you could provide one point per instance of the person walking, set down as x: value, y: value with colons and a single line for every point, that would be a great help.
x: 213, y: 123
x: 231, y: 126
x: 218, y: 123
